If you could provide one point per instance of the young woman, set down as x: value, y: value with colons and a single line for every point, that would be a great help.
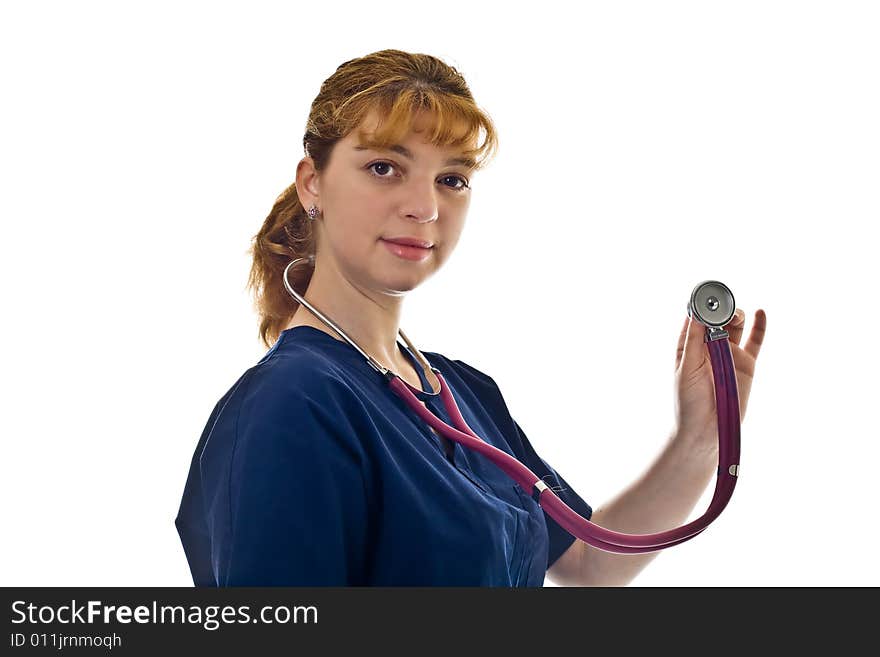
x: 310, y: 470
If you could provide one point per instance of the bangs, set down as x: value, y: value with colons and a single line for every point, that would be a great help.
x: 450, y: 121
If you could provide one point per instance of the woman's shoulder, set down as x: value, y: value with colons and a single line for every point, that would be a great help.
x: 299, y: 372
x: 465, y: 370
x: 283, y: 381
x: 297, y: 389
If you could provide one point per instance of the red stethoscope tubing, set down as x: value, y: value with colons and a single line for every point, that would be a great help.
x: 727, y: 407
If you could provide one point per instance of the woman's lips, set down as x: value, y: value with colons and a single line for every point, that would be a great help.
x: 407, y: 252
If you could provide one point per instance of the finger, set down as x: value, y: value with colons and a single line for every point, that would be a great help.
x: 756, y: 337
x: 743, y: 363
x: 681, y: 340
x: 735, y: 326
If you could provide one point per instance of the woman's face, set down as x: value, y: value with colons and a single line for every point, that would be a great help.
x: 368, y: 197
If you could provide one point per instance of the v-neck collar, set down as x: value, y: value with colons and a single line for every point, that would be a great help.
x: 315, y: 335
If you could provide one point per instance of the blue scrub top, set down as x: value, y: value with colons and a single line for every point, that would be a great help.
x: 311, y: 471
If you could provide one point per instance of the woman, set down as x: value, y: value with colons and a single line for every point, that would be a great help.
x: 310, y: 470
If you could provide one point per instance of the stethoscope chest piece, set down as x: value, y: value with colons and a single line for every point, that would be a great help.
x: 712, y: 304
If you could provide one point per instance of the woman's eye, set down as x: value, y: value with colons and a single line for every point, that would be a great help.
x: 464, y: 183
x: 379, y: 164
x: 372, y: 167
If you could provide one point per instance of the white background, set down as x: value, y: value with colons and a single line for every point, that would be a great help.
x: 644, y: 147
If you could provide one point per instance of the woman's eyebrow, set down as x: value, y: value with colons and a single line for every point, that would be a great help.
x: 403, y: 150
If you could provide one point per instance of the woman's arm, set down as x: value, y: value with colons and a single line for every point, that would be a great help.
x: 660, y: 500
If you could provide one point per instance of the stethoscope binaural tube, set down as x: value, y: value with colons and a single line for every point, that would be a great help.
x: 712, y: 304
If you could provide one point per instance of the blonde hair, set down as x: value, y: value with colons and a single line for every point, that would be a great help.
x: 399, y: 86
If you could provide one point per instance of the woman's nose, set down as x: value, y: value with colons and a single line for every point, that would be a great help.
x: 420, y: 202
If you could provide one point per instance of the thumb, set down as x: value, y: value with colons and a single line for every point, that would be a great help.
x: 694, y: 351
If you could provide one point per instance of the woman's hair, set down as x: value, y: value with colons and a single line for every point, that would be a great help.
x: 399, y: 86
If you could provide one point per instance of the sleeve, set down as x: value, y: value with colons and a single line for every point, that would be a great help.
x: 190, y: 520
x: 560, y: 539
x: 297, y: 497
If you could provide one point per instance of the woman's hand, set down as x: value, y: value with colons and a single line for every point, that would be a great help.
x: 695, y: 412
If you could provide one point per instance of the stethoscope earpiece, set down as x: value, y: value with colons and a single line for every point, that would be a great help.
x: 712, y: 304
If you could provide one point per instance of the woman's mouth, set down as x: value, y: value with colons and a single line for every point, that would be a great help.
x: 407, y: 252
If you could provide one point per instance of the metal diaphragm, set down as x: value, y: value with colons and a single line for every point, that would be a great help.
x: 712, y: 304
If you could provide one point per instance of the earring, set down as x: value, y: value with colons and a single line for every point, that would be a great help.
x: 313, y: 212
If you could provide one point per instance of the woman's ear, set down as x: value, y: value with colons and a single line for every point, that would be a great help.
x: 307, y: 183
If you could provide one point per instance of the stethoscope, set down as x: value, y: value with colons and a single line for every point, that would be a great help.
x: 712, y: 304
